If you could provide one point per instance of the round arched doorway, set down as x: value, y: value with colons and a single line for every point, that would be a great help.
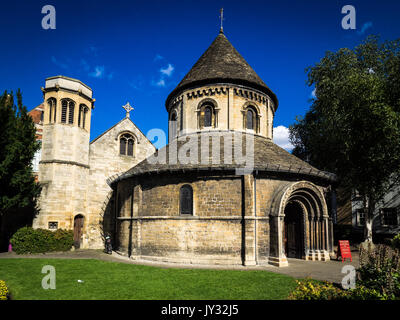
x: 78, y: 230
x: 293, y: 231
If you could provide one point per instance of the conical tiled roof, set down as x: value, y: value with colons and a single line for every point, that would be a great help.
x: 267, y: 156
x: 222, y: 63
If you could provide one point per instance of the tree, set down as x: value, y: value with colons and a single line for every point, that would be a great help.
x: 353, y: 125
x: 18, y: 189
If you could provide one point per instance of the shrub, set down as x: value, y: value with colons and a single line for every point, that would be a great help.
x: 380, y: 270
x: 312, y: 290
x: 64, y: 239
x: 4, y: 293
x: 364, y: 293
x: 396, y: 242
x: 29, y: 240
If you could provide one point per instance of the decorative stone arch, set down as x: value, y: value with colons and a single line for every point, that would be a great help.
x: 257, y: 117
x: 120, y: 133
x: 304, y: 226
x: 207, y: 102
x: 315, y: 221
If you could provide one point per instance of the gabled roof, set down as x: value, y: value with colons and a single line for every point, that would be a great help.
x: 222, y: 63
x: 122, y: 120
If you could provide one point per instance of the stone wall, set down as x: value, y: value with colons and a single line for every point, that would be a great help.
x: 106, y: 162
x: 236, y: 219
x: 229, y: 101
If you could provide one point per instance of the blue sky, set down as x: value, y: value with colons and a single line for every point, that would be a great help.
x: 138, y: 51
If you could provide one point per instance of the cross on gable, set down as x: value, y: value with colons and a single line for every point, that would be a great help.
x: 128, y: 109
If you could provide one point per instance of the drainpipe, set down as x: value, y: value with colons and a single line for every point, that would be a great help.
x: 228, y: 104
x: 116, y: 205
x: 255, y: 173
x: 130, y: 225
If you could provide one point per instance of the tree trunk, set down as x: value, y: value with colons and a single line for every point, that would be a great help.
x: 369, y: 208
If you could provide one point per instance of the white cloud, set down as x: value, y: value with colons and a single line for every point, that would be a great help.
x: 159, y: 83
x: 168, y: 70
x: 98, y: 72
x: 281, y: 138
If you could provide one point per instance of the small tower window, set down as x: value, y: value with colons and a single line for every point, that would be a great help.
x: 67, y: 108
x: 83, y: 110
x: 52, y: 104
x: 186, y: 199
x: 126, y: 145
x: 71, y: 113
x: 64, y: 107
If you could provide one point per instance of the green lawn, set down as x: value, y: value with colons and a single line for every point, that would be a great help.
x: 112, y: 280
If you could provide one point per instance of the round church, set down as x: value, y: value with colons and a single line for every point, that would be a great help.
x: 221, y: 192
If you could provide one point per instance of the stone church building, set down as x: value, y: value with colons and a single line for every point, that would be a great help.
x: 220, y: 192
x: 73, y: 172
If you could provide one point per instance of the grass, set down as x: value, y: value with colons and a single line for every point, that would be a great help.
x: 112, y: 280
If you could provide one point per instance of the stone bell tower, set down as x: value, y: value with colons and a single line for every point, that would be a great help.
x: 64, y: 166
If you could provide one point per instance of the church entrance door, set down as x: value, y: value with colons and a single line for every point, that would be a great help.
x: 78, y: 230
x: 293, y: 226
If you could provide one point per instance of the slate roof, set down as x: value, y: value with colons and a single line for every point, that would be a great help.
x: 267, y: 157
x: 222, y: 63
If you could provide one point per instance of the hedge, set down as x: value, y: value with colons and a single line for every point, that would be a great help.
x: 29, y: 240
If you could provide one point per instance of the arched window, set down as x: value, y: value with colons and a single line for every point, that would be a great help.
x: 67, y: 108
x: 251, y: 119
x: 71, y: 113
x: 173, y: 125
x: 207, y: 116
x: 186, y: 199
x: 83, y: 110
x: 126, y: 144
x: 52, y: 104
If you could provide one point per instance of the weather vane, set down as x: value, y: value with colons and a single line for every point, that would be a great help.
x: 222, y: 18
x: 128, y: 109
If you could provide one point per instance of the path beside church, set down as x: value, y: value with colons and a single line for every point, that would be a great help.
x: 319, y: 270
